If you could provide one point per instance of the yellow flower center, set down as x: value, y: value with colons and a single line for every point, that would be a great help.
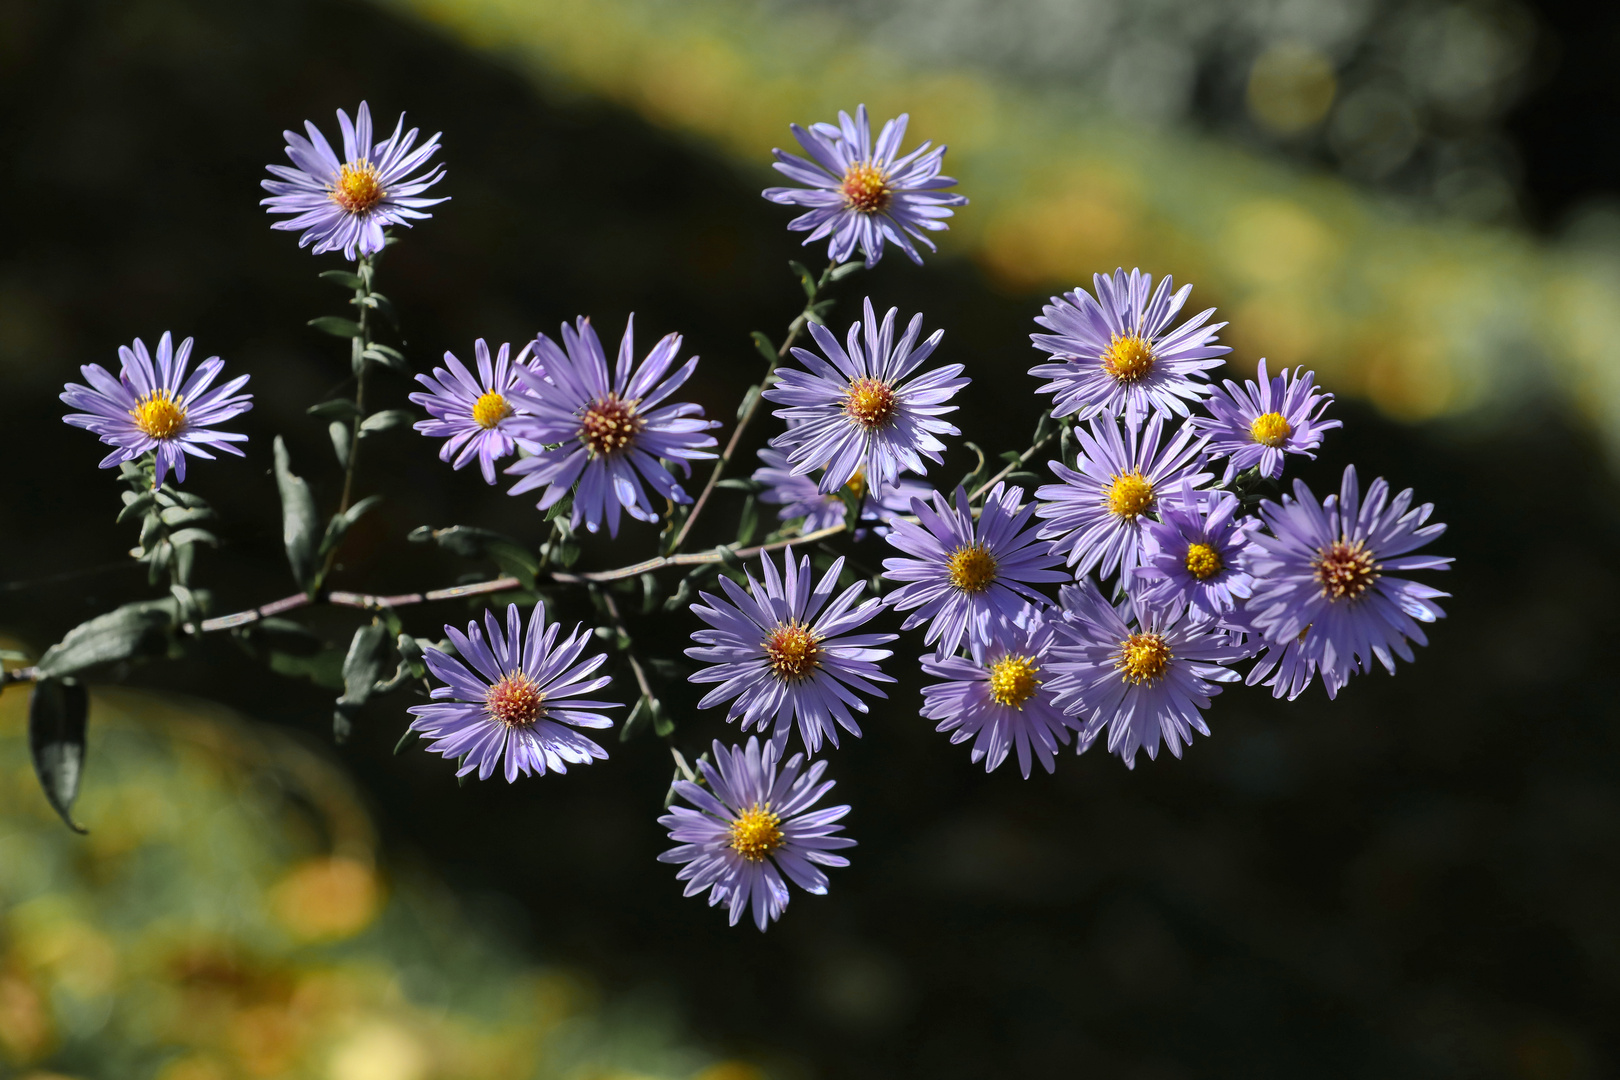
x: 515, y: 701
x: 1203, y: 561
x: 158, y: 416
x: 870, y: 403
x: 972, y: 568
x: 358, y: 187
x: 793, y: 652
x: 1013, y: 680
x: 609, y: 425
x: 866, y: 188
x: 1130, y: 496
x: 857, y: 484
x: 1270, y: 429
x: 1128, y: 359
x: 1142, y: 658
x: 1344, y: 570
x: 490, y: 410
x: 757, y: 833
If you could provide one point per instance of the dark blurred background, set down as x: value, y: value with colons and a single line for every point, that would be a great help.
x: 1416, y: 880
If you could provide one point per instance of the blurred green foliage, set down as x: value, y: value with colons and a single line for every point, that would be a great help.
x: 226, y: 918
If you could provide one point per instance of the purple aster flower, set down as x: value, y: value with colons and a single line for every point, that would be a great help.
x: 858, y: 413
x: 861, y: 195
x: 152, y: 407
x: 785, y: 652
x: 1143, y: 671
x: 1117, y: 354
x: 1284, y: 668
x: 1257, y: 423
x: 474, y: 416
x: 802, y: 497
x: 963, y: 573
x: 753, y: 826
x: 1099, y: 514
x: 611, y: 434
x: 344, y: 204
x: 1322, y: 577
x: 1194, y: 553
x: 1004, y: 699
x: 514, y: 695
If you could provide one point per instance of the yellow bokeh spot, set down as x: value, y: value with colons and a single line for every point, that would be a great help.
x: 1291, y: 87
x: 326, y: 898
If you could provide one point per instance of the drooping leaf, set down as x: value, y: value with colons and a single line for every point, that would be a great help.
x: 298, y: 522
x: 336, y: 409
x: 337, y: 326
x: 58, y: 717
x: 137, y: 504
x: 387, y: 356
x: 766, y: 348
x: 343, y: 278
x: 361, y: 667
x: 134, y: 630
x: 338, y: 432
x: 386, y: 420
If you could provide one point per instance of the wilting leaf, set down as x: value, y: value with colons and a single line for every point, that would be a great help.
x: 58, y: 717
x: 139, y: 629
x: 298, y: 524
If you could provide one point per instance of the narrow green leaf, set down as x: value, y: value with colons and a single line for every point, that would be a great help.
x: 343, y: 278
x: 749, y: 523
x: 843, y: 270
x: 58, y: 717
x: 298, y: 521
x: 663, y: 726
x: 806, y: 278
x: 385, y: 421
x: 185, y: 515
x: 361, y: 667
x: 765, y: 347
x: 193, y: 536
x: 336, y: 409
x: 337, y: 326
x: 137, y: 504
x: 747, y: 402
x: 387, y: 356
x: 361, y: 508
x: 138, y: 629
x: 752, y: 487
x: 633, y: 721
x: 405, y: 740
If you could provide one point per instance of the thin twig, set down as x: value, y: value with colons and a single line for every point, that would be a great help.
x: 1012, y: 466
x: 370, y: 602
x: 795, y: 328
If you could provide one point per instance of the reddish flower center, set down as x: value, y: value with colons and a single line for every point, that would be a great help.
x: 793, y: 652
x: 158, y: 416
x: 866, y: 188
x: 870, y: 403
x: 609, y: 425
x: 756, y: 833
x: 358, y: 187
x: 1128, y: 359
x: 1344, y: 570
x: 490, y: 409
x: 515, y: 701
x: 1142, y: 658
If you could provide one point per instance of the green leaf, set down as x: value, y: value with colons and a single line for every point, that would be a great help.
x: 806, y: 278
x: 843, y: 270
x: 749, y: 523
x: 817, y: 312
x: 753, y: 487
x: 361, y: 667
x: 338, y: 432
x: 324, y: 669
x: 1012, y: 457
x: 343, y: 278
x: 633, y: 721
x: 765, y: 347
x: 137, y: 504
x: 663, y: 726
x: 336, y: 409
x: 387, y: 356
x: 385, y: 421
x: 138, y: 629
x: 337, y: 326
x: 410, y: 651
x: 747, y: 401
x: 361, y: 508
x: 562, y: 506
x: 185, y: 515
x: 405, y: 740
x: 193, y: 536
x: 298, y: 521
x: 58, y: 716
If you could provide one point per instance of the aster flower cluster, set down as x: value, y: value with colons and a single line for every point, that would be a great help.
x: 1109, y: 603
